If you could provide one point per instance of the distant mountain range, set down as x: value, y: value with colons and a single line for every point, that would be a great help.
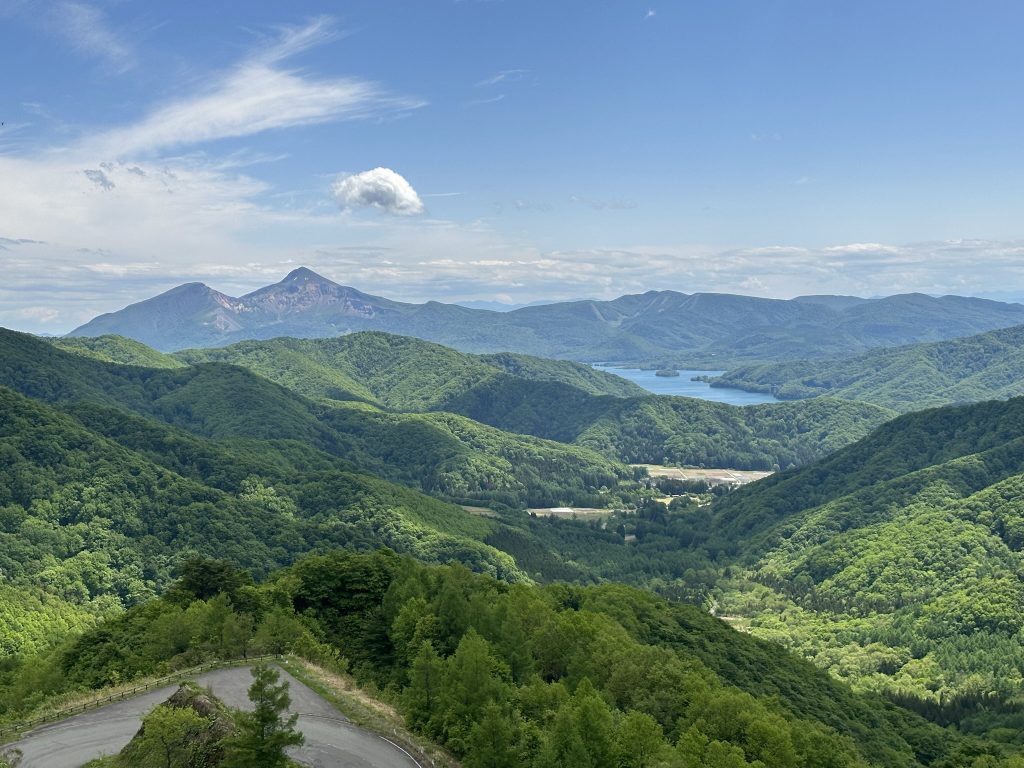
x: 657, y: 327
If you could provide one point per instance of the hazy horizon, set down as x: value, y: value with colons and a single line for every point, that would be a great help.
x: 496, y: 306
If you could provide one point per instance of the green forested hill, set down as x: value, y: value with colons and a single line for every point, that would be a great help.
x: 439, y: 453
x: 399, y: 372
x: 585, y: 377
x: 116, y: 349
x: 983, y: 367
x: 552, y: 400
x: 896, y: 562
x: 98, y: 507
x: 516, y: 675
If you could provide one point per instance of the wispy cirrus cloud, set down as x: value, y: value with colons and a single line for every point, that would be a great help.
x: 503, y: 76
x: 255, y: 96
x: 88, y: 31
x: 488, y: 100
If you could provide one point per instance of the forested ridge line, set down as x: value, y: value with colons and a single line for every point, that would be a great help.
x: 522, y: 675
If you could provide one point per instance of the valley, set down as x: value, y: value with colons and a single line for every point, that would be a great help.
x: 533, y: 472
x: 821, y: 537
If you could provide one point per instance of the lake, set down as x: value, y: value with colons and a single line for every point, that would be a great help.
x: 682, y: 386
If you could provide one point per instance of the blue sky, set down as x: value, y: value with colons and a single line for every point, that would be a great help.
x: 508, y: 150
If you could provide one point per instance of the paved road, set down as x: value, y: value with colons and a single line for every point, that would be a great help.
x: 331, y: 741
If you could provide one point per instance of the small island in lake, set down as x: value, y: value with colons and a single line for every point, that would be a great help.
x: 666, y: 372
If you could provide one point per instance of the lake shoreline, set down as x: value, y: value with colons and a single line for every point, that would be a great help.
x: 688, y: 383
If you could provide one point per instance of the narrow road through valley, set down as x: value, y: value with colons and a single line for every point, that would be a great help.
x: 331, y: 741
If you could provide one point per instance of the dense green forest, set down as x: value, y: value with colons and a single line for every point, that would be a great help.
x: 116, y: 349
x: 552, y: 400
x: 892, y: 563
x: 983, y: 367
x: 442, y: 454
x: 513, y: 675
x: 398, y: 372
x: 404, y: 391
x: 895, y: 563
x: 89, y: 525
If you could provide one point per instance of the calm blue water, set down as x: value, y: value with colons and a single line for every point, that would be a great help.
x: 682, y: 386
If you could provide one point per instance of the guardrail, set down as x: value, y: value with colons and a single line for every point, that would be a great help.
x: 159, y: 682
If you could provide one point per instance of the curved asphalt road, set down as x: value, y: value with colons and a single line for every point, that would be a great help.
x: 331, y: 741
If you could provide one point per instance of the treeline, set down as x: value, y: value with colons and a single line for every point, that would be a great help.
x: 511, y: 675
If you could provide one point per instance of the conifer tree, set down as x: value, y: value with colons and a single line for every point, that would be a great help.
x: 263, y: 734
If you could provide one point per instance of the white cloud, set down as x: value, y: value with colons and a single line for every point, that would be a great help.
x: 504, y: 76
x: 863, y: 248
x: 85, y: 28
x: 379, y: 188
x: 255, y: 96
x: 293, y: 40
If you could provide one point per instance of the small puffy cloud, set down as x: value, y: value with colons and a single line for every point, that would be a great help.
x: 378, y: 188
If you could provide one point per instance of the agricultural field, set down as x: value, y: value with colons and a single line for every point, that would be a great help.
x: 719, y: 476
x: 572, y: 513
